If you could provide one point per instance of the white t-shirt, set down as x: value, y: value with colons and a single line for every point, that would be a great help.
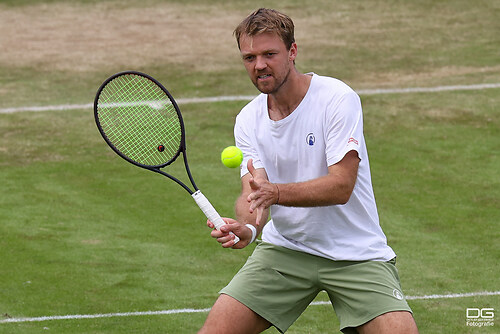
x: 326, y: 125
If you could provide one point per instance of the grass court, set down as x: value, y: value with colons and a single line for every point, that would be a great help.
x: 85, y: 233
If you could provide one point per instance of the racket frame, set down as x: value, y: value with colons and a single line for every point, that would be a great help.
x: 182, y: 146
x: 200, y: 199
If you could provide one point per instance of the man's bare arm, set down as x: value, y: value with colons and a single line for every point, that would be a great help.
x: 334, y: 188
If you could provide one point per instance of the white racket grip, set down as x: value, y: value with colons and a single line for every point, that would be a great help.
x: 210, y: 212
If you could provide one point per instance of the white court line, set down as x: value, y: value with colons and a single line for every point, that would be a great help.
x: 427, y: 89
x: 180, y: 311
x: 65, y: 107
x: 248, y: 97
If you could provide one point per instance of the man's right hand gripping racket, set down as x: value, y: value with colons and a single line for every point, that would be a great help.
x: 142, y: 123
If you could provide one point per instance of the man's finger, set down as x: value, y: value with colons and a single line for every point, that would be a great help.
x: 259, y: 216
x: 250, y: 167
x: 253, y: 184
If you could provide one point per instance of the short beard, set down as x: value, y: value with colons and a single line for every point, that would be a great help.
x: 275, y: 89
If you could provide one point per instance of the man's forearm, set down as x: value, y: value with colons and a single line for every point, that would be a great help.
x: 243, y: 215
x: 318, y: 192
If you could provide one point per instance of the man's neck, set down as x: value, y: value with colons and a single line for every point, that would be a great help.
x: 283, y: 102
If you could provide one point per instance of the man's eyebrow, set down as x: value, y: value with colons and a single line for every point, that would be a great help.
x: 271, y: 50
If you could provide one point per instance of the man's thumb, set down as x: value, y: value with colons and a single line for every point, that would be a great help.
x: 250, y: 166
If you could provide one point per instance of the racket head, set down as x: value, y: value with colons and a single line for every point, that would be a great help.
x: 139, y: 119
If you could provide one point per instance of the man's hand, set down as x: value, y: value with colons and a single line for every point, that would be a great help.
x: 263, y: 195
x: 226, y: 239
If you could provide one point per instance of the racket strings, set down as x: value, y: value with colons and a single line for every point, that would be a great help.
x: 139, y: 119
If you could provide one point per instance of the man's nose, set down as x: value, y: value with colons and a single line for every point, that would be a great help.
x: 260, y: 63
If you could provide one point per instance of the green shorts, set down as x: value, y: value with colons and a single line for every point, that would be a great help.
x: 278, y: 284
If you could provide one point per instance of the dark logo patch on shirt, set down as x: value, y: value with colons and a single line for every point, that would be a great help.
x: 310, y: 139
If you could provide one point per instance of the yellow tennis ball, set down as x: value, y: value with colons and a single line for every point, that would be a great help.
x: 231, y: 156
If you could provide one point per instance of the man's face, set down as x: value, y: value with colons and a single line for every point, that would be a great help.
x: 267, y: 60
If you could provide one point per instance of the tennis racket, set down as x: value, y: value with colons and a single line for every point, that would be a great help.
x: 142, y: 123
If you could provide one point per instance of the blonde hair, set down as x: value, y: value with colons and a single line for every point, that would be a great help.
x: 265, y: 20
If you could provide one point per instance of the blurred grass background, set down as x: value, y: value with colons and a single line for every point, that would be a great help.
x: 83, y: 232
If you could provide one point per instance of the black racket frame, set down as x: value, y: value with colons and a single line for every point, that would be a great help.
x: 182, y: 146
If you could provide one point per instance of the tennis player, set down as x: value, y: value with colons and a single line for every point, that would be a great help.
x: 305, y: 163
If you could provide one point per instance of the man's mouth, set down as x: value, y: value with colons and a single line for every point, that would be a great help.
x: 265, y: 76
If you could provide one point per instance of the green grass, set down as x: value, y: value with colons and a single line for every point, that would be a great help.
x: 84, y: 232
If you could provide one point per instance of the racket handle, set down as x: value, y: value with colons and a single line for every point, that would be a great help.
x: 210, y: 212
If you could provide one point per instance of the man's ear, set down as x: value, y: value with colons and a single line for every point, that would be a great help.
x: 292, y: 53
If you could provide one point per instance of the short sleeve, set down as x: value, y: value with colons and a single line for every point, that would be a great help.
x: 344, y: 127
x: 244, y: 137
